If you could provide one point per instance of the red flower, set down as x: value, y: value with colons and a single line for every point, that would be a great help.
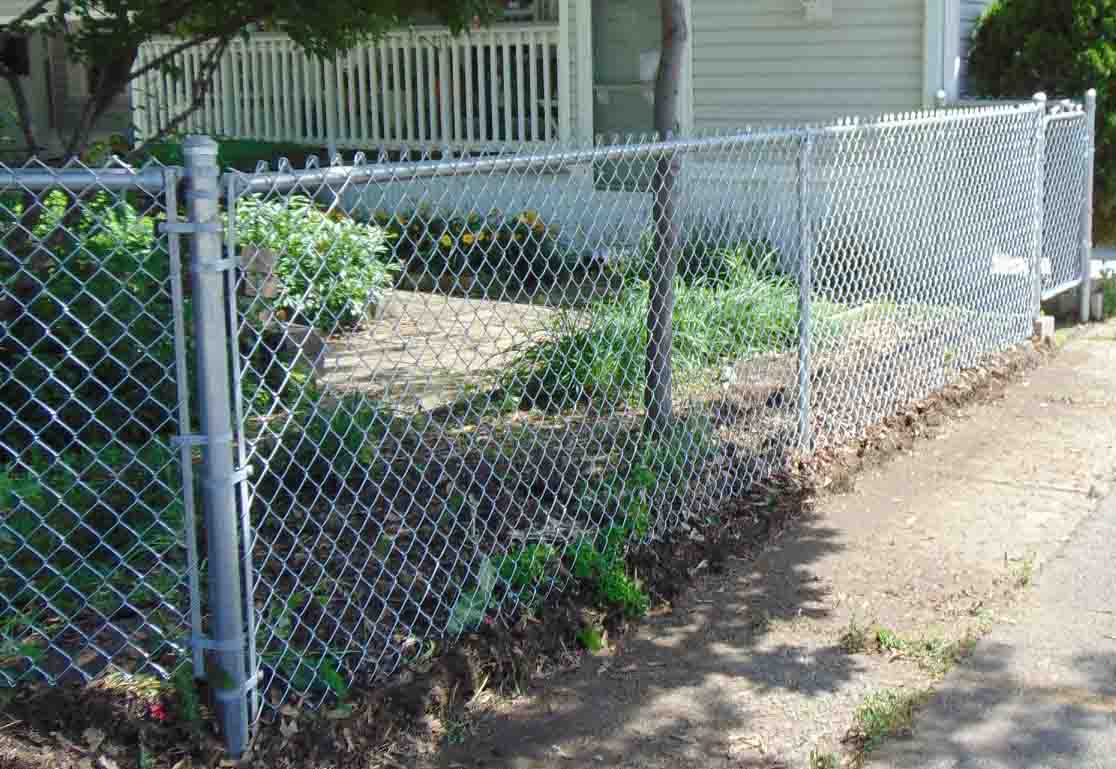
x: 157, y: 711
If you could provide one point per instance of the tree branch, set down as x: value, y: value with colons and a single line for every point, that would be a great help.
x: 201, y: 88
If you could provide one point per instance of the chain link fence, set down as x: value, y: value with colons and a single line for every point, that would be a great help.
x: 92, y: 393
x: 431, y: 391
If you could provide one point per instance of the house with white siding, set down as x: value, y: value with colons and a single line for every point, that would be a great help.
x: 578, y: 69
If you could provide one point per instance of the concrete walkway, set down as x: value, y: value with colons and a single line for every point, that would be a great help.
x: 747, y: 669
x: 1040, y: 693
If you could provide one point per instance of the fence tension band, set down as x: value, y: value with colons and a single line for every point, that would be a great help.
x: 180, y: 441
x: 192, y: 228
x: 216, y: 265
x: 232, y: 479
x: 208, y: 644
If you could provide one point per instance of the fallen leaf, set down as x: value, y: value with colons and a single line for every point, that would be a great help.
x: 104, y: 762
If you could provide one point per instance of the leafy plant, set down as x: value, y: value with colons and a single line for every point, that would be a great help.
x: 590, y: 639
x: 186, y: 697
x: 328, y: 266
x: 1021, y: 47
x: 603, y: 360
x: 523, y: 568
x: 471, y: 606
x: 508, y: 251
x: 888, y: 641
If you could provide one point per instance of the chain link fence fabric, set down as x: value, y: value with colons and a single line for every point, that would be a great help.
x: 460, y: 385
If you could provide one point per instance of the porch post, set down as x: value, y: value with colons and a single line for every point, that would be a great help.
x: 586, y: 99
x: 564, y: 83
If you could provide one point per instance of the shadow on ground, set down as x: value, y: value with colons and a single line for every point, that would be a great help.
x: 988, y: 717
x: 678, y: 690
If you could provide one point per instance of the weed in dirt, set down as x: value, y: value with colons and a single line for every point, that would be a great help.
x: 744, y: 311
x: 885, y: 714
x: 590, y: 639
x: 888, y: 641
x: 855, y: 638
x: 937, y: 656
x: 827, y: 760
x: 1023, y: 572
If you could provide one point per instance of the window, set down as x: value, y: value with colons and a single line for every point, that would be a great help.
x: 16, y: 55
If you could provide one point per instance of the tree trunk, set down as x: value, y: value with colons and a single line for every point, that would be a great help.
x: 660, y: 311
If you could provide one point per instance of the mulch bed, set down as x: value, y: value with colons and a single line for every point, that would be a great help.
x: 117, y: 722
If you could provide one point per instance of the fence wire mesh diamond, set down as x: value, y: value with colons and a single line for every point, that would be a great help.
x: 92, y: 558
x: 449, y: 392
x: 462, y: 384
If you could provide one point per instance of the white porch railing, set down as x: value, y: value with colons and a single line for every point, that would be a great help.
x: 506, y: 83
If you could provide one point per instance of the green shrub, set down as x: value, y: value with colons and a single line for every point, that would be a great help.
x: 715, y: 322
x: 507, y: 250
x: 328, y: 266
x: 241, y: 154
x: 1024, y: 46
x: 89, y: 355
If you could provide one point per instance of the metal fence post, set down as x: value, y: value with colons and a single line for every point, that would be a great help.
x: 1087, y: 208
x: 805, y: 287
x: 227, y: 672
x: 1040, y: 206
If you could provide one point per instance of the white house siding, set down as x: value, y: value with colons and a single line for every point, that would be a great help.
x: 762, y: 62
x: 971, y: 11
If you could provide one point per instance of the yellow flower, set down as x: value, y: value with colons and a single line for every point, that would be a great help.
x: 539, y: 227
x: 484, y: 236
x: 446, y: 241
x: 519, y: 236
x: 468, y: 238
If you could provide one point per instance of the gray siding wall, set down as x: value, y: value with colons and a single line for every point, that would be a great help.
x: 761, y: 62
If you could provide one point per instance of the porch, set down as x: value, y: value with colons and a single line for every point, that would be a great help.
x: 421, y: 86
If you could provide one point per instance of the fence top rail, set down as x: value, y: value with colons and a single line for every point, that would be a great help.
x: 562, y: 158
x: 150, y: 180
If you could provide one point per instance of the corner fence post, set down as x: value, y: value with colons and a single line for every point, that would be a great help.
x: 1087, y: 206
x: 805, y: 288
x: 1039, y: 244
x: 226, y: 658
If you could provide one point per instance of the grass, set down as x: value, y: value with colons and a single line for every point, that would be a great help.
x: 855, y: 638
x: 718, y: 319
x: 883, y: 715
x: 1023, y: 570
x: 827, y: 760
x: 1108, y: 288
x: 935, y: 656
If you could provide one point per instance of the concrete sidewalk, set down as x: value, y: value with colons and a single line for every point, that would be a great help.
x: 748, y: 669
x: 1040, y: 693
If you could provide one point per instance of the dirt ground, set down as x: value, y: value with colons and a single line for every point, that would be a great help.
x: 928, y: 527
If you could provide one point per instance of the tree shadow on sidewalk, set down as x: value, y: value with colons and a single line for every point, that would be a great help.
x: 682, y: 689
x: 987, y: 716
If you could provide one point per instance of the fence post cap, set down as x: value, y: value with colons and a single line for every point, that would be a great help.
x: 199, y: 145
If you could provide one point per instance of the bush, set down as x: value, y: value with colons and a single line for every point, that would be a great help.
x: 241, y: 154
x: 328, y: 266
x: 89, y: 356
x: 715, y: 321
x: 1025, y: 46
x: 508, y: 250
